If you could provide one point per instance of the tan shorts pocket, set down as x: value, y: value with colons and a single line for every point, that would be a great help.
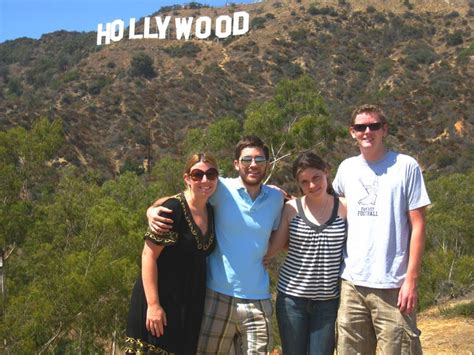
x: 411, y: 344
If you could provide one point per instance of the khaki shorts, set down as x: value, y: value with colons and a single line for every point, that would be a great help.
x: 369, y: 319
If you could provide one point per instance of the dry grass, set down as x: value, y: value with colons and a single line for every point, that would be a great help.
x: 443, y: 335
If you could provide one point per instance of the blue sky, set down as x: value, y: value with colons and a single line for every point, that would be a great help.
x: 33, y: 18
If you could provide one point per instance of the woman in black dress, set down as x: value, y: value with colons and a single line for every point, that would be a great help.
x: 168, y: 298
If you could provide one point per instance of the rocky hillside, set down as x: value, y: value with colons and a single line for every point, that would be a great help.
x: 135, y: 99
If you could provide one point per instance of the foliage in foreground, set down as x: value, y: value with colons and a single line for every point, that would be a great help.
x: 73, y: 241
x: 449, y: 258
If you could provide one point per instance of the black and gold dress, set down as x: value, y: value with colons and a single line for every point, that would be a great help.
x: 181, y: 285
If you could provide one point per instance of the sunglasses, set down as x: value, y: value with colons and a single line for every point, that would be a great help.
x: 198, y: 174
x: 247, y: 160
x: 372, y: 126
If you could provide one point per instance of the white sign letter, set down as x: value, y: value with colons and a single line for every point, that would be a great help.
x: 114, y: 36
x: 207, y: 27
x: 245, y: 23
x: 162, y: 26
x: 101, y: 34
x: 146, y: 29
x: 131, y: 31
x: 228, y: 26
x: 183, y: 27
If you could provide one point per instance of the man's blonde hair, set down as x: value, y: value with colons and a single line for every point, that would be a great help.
x: 369, y: 109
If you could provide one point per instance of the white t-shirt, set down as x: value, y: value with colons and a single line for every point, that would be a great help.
x: 379, y: 195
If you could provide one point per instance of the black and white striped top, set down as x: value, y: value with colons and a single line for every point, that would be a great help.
x: 311, y: 268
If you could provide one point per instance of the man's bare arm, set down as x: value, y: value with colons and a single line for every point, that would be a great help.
x: 407, y: 297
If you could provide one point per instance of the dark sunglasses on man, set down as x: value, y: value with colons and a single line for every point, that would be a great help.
x: 247, y: 160
x: 372, y: 127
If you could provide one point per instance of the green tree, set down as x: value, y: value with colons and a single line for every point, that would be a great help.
x: 25, y: 174
x: 448, y: 260
x: 454, y: 39
x: 15, y: 86
x: 296, y: 118
x: 76, y: 268
x: 219, y: 139
x: 450, y: 224
x: 142, y: 65
x: 167, y: 176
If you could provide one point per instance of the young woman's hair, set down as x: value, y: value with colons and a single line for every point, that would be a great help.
x: 251, y: 142
x: 196, y: 158
x: 308, y: 160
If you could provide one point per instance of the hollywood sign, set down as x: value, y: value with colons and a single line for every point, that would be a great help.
x: 224, y: 26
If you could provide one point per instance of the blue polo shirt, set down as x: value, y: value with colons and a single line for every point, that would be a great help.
x: 243, y: 228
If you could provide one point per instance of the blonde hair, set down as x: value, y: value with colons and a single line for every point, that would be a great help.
x: 369, y: 109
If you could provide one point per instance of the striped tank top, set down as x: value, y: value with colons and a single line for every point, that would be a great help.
x: 311, y: 268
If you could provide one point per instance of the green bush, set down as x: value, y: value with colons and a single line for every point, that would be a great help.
x: 419, y: 53
x: 132, y: 166
x: 463, y: 310
x: 97, y: 85
x: 448, y: 261
x: 169, y: 8
x: 454, y: 39
x: 443, y: 84
x: 384, y: 67
x: 313, y: 10
x: 71, y: 75
x: 18, y: 51
x: 188, y: 49
x: 142, y: 66
x: 4, y: 72
x: 371, y: 9
x: 466, y: 53
x: 408, y: 5
x: 195, y: 5
x: 452, y: 15
x: 15, y: 86
x: 379, y: 17
x: 298, y: 35
x: 258, y: 22
x: 328, y: 10
x: 292, y: 70
x: 42, y: 72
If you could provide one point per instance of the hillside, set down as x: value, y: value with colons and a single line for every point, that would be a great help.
x: 414, y: 58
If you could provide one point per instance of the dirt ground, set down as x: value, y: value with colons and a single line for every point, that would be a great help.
x: 443, y: 336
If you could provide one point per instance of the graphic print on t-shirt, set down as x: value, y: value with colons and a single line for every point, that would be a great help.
x: 367, y: 203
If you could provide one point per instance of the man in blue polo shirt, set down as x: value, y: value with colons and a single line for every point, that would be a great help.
x: 238, y: 301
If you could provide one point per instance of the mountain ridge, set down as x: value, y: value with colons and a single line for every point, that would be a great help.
x: 414, y: 63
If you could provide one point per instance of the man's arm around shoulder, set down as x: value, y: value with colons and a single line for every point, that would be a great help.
x: 158, y: 224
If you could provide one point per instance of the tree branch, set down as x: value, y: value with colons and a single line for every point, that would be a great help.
x: 48, y: 343
x: 275, y: 160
